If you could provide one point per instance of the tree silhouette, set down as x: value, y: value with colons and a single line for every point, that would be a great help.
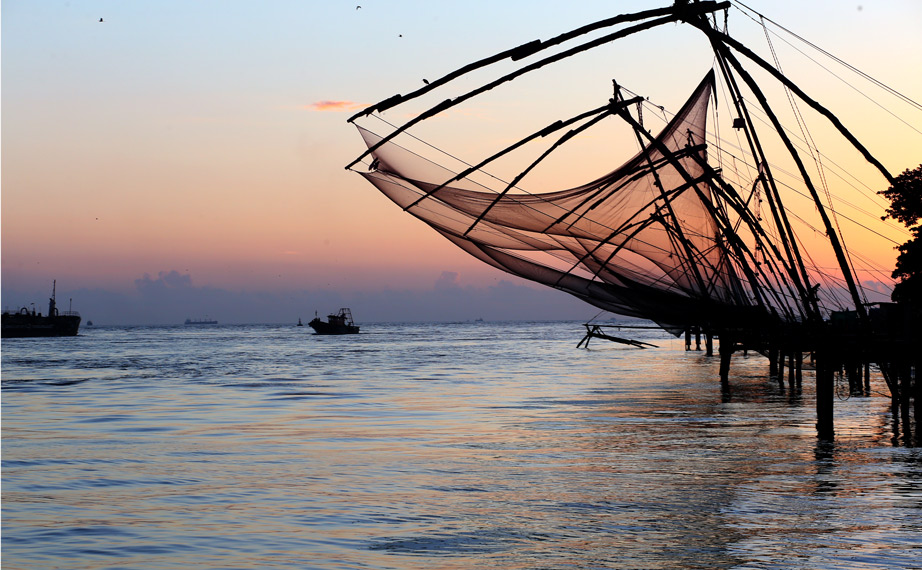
x: 905, y: 195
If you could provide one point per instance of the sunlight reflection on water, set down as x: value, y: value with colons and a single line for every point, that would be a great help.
x: 449, y: 446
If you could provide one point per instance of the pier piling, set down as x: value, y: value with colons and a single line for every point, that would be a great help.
x: 825, y: 393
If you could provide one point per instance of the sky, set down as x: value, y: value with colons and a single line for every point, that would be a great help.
x: 181, y: 159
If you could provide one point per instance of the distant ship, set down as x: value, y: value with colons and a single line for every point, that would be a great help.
x: 205, y: 321
x: 27, y: 323
x: 340, y: 323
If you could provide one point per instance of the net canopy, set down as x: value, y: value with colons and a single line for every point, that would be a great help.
x: 647, y: 240
x: 741, y: 248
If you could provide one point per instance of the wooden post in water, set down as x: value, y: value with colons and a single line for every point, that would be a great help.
x: 825, y: 392
x: 853, y: 382
x: 687, y: 339
x: 792, y: 371
x: 773, y: 361
x: 709, y: 344
x: 906, y: 389
x: 726, y: 352
x: 697, y: 338
x: 917, y: 399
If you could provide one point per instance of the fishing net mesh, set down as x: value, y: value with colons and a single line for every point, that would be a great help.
x: 639, y: 241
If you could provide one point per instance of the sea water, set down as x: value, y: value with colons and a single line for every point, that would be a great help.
x: 450, y: 446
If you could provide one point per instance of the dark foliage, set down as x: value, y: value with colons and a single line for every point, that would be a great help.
x: 905, y: 195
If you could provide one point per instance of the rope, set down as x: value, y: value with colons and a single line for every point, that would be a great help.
x: 841, y: 62
x: 814, y: 154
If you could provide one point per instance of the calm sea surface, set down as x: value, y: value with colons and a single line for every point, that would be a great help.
x: 450, y: 446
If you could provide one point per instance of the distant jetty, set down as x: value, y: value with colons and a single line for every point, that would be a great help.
x: 205, y: 321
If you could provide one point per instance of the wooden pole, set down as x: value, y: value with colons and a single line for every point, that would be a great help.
x: 726, y: 352
x: 825, y: 392
x: 792, y: 371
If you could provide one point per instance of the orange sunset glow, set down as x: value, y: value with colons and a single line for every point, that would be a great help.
x: 214, y: 144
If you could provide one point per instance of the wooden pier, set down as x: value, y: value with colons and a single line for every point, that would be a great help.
x: 845, y: 347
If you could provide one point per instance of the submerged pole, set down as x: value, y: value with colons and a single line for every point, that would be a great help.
x: 825, y: 393
x: 792, y: 371
x: 726, y: 353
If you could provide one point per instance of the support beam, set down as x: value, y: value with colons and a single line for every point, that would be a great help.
x: 825, y: 393
x: 726, y: 353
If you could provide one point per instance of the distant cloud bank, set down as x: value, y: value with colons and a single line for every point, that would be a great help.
x: 165, y: 280
x: 336, y: 106
x: 171, y: 297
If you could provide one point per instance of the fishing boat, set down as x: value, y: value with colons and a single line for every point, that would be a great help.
x: 29, y: 323
x: 339, y: 323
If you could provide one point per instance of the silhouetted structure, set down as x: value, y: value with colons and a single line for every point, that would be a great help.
x: 338, y: 323
x: 666, y: 236
x: 28, y: 323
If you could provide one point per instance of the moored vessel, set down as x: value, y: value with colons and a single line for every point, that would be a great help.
x: 26, y: 323
x: 339, y: 323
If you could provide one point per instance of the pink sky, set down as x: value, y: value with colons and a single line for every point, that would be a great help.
x: 214, y: 144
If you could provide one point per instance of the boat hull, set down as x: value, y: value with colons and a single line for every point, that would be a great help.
x: 17, y: 325
x: 321, y: 327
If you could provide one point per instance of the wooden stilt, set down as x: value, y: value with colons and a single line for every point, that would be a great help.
x: 917, y: 400
x: 792, y: 372
x: 726, y: 352
x: 905, y: 391
x: 709, y: 344
x: 825, y: 392
x: 891, y: 372
x: 854, y: 380
x: 773, y: 361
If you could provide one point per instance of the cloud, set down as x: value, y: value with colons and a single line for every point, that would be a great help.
x: 877, y: 291
x: 448, y: 280
x: 165, y: 280
x: 171, y: 297
x: 335, y: 106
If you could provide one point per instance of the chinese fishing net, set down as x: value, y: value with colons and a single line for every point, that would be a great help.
x: 642, y: 240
